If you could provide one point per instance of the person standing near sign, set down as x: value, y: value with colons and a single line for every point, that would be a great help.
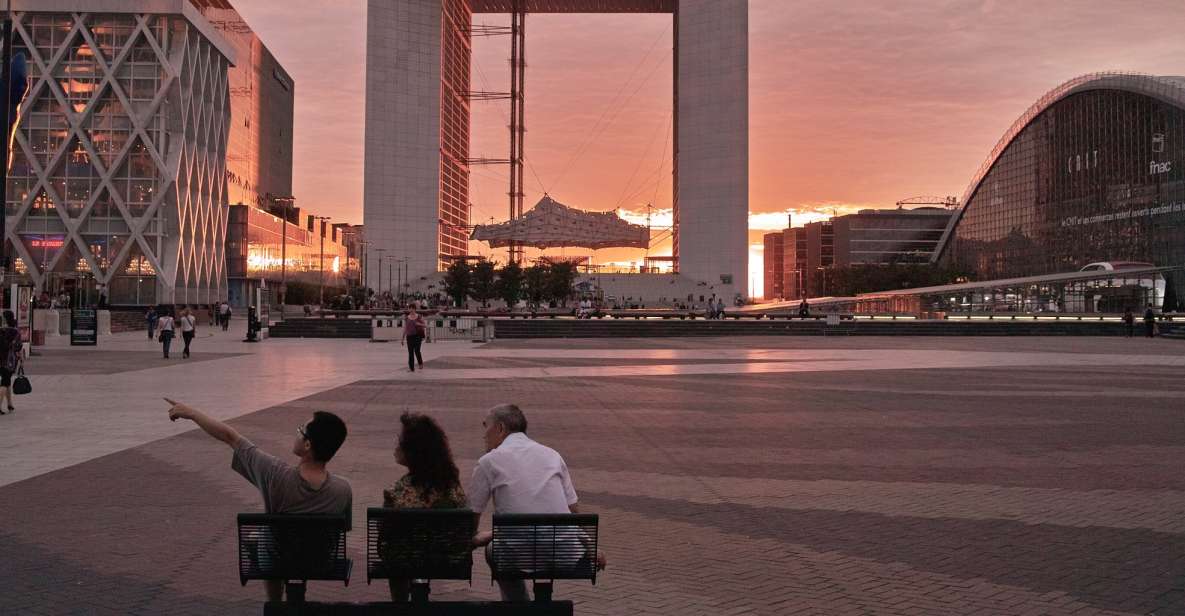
x: 414, y: 329
x: 166, y: 326
x: 11, y: 354
x: 188, y: 326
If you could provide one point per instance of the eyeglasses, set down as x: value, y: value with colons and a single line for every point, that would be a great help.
x: 302, y: 433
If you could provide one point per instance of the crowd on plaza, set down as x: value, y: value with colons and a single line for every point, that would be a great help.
x: 517, y: 473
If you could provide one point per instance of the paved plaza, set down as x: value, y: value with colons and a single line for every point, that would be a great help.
x: 732, y: 476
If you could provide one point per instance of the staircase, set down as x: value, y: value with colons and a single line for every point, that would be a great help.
x: 320, y: 328
x: 629, y: 328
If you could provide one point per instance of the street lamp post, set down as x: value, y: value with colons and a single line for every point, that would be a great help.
x: 394, y: 296
x: 283, y: 248
x: 362, y: 270
x: 380, y: 276
x: 322, y: 270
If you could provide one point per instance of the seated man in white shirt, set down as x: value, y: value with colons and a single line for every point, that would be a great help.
x: 522, y: 476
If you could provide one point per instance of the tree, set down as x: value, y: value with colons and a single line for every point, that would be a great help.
x: 559, y: 283
x: 482, y: 282
x: 510, y: 284
x: 456, y: 282
x: 535, y: 283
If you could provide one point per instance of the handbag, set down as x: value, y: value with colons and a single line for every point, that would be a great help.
x: 20, y: 384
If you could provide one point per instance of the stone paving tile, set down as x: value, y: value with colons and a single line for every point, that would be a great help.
x: 961, y: 491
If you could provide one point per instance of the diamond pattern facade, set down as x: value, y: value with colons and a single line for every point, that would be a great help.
x: 119, y: 162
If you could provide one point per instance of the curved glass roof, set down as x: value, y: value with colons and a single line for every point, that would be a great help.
x: 1170, y: 89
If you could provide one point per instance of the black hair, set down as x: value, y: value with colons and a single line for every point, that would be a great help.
x: 325, y: 433
x: 426, y: 452
x: 9, y: 318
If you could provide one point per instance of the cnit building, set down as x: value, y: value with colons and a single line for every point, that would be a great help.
x: 418, y: 95
x: 143, y: 122
x: 1080, y: 207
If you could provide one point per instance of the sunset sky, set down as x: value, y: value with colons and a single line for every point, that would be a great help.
x: 852, y: 104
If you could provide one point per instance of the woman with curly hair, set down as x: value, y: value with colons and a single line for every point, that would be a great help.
x: 432, y: 480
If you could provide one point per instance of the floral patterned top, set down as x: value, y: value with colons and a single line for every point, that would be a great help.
x: 403, y: 495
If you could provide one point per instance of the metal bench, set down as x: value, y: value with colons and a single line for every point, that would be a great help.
x: 419, y: 545
x: 544, y: 548
x: 293, y: 548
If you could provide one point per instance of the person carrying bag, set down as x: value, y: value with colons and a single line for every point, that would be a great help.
x: 11, y: 355
x: 166, y: 326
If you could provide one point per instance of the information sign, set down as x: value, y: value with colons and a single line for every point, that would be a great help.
x: 84, y: 327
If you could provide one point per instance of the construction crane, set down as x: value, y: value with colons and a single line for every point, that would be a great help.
x: 949, y: 203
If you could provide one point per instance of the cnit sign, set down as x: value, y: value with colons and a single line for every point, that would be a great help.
x: 1155, y: 168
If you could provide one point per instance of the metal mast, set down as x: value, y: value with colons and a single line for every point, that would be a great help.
x: 518, y: 72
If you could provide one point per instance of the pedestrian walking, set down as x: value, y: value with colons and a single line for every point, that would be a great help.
x: 1129, y: 318
x: 414, y: 329
x: 224, y: 315
x: 11, y: 355
x: 166, y: 326
x: 150, y: 317
x: 720, y: 308
x: 1150, y: 322
x: 188, y: 326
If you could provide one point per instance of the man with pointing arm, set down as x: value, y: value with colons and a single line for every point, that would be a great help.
x: 307, y: 487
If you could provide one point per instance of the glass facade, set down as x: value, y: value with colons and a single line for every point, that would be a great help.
x: 118, y: 157
x: 262, y: 107
x: 889, y: 236
x: 1094, y: 173
x: 256, y: 250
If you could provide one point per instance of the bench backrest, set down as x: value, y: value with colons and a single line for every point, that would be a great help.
x: 293, y: 547
x: 545, y: 546
x: 433, y: 544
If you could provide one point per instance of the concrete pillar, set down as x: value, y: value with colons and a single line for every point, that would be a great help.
x: 712, y: 142
x: 402, y: 168
x: 104, y: 322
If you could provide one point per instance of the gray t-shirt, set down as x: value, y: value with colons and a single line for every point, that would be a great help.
x: 284, y: 490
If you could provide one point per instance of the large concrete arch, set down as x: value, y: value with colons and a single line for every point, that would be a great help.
x: 417, y: 130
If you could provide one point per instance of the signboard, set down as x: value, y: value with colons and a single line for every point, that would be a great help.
x: 84, y: 327
x: 21, y: 304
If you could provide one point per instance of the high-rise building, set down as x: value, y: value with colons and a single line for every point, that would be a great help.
x: 868, y: 237
x: 871, y: 237
x: 773, y: 258
x: 262, y: 107
x: 175, y: 110
x: 119, y: 162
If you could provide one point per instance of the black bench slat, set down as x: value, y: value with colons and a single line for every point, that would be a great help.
x: 293, y: 547
x: 432, y: 544
x: 545, y: 547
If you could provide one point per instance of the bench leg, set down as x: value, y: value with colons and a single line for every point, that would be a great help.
x: 294, y: 591
x: 420, y: 592
x: 542, y: 592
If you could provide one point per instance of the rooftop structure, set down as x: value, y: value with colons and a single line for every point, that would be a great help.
x: 551, y: 224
